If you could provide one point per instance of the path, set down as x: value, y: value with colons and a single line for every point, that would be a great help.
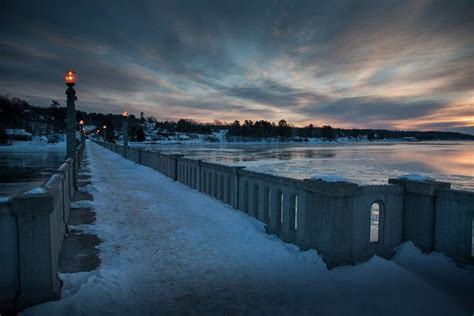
x: 169, y: 249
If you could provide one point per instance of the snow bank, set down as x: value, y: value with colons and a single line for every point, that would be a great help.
x: 329, y: 178
x: 35, y: 191
x: 82, y: 204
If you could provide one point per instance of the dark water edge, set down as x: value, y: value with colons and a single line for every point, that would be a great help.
x: 23, y: 170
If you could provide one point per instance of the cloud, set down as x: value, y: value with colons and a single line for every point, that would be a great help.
x: 354, y: 63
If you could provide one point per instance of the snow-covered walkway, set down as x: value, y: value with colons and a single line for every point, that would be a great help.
x: 169, y: 249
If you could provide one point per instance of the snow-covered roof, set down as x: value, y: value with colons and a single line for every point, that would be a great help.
x: 17, y: 131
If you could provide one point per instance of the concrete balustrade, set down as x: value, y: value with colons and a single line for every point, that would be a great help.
x: 32, y: 228
x: 454, y: 224
x: 334, y: 218
x: 420, y: 209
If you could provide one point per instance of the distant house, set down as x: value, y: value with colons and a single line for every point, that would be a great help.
x: 17, y: 134
x: 183, y: 137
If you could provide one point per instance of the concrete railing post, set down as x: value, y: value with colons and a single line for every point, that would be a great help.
x: 37, y: 240
x: 9, y: 274
x: 419, y: 205
x: 173, y: 171
x: 328, y: 218
x: 454, y: 224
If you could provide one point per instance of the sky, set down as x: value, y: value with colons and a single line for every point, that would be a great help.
x: 353, y: 64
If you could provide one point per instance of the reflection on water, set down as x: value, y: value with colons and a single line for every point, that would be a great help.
x: 22, y: 170
x: 367, y: 163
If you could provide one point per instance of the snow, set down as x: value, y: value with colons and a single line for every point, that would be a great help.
x: 168, y: 249
x: 415, y: 177
x: 35, y: 191
x: 4, y: 199
x: 329, y: 178
x: 82, y: 204
x: 17, y: 131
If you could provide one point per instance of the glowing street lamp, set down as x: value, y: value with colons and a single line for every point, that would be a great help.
x: 125, y: 128
x: 81, y: 128
x: 70, y: 78
x: 104, y: 129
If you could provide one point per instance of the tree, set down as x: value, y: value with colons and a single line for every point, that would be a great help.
x: 327, y: 132
x: 142, y: 118
x: 234, y: 128
x: 308, y: 131
x: 54, y: 104
x: 140, y: 134
x: 284, y: 130
x: 3, y: 136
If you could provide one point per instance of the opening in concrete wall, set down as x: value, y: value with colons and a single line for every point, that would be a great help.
x: 204, y: 178
x: 255, y: 199
x: 209, y: 182
x: 214, y: 193
x: 228, y: 190
x: 281, y: 206
x: 196, y: 178
x: 246, y: 196
x: 296, y: 212
x: 221, y: 187
x: 269, y: 202
x: 375, y: 221
x: 266, y: 204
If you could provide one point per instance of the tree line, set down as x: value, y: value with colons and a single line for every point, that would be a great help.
x: 18, y: 113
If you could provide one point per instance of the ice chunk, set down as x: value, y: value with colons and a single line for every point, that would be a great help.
x: 415, y: 177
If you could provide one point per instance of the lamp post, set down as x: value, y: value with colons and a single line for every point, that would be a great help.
x: 81, y: 128
x: 125, y: 128
x: 70, y: 78
x: 104, y: 129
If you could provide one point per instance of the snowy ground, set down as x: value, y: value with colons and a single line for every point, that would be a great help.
x: 169, y: 249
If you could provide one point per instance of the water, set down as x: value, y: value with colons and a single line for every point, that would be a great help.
x: 24, y: 170
x: 364, y: 163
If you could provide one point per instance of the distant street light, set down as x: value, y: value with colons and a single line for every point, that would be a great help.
x: 70, y: 78
x: 81, y: 128
x: 125, y: 128
x: 104, y: 129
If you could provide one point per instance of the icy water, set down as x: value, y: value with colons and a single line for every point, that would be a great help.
x: 23, y: 170
x: 364, y: 163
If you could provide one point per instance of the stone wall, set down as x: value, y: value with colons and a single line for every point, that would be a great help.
x: 333, y: 218
x: 32, y: 228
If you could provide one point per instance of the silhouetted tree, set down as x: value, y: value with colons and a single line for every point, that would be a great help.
x: 3, y: 136
x: 370, y: 136
x: 284, y: 130
x: 140, y: 134
x: 327, y: 132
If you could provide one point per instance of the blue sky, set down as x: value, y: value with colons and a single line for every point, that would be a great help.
x: 378, y: 64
